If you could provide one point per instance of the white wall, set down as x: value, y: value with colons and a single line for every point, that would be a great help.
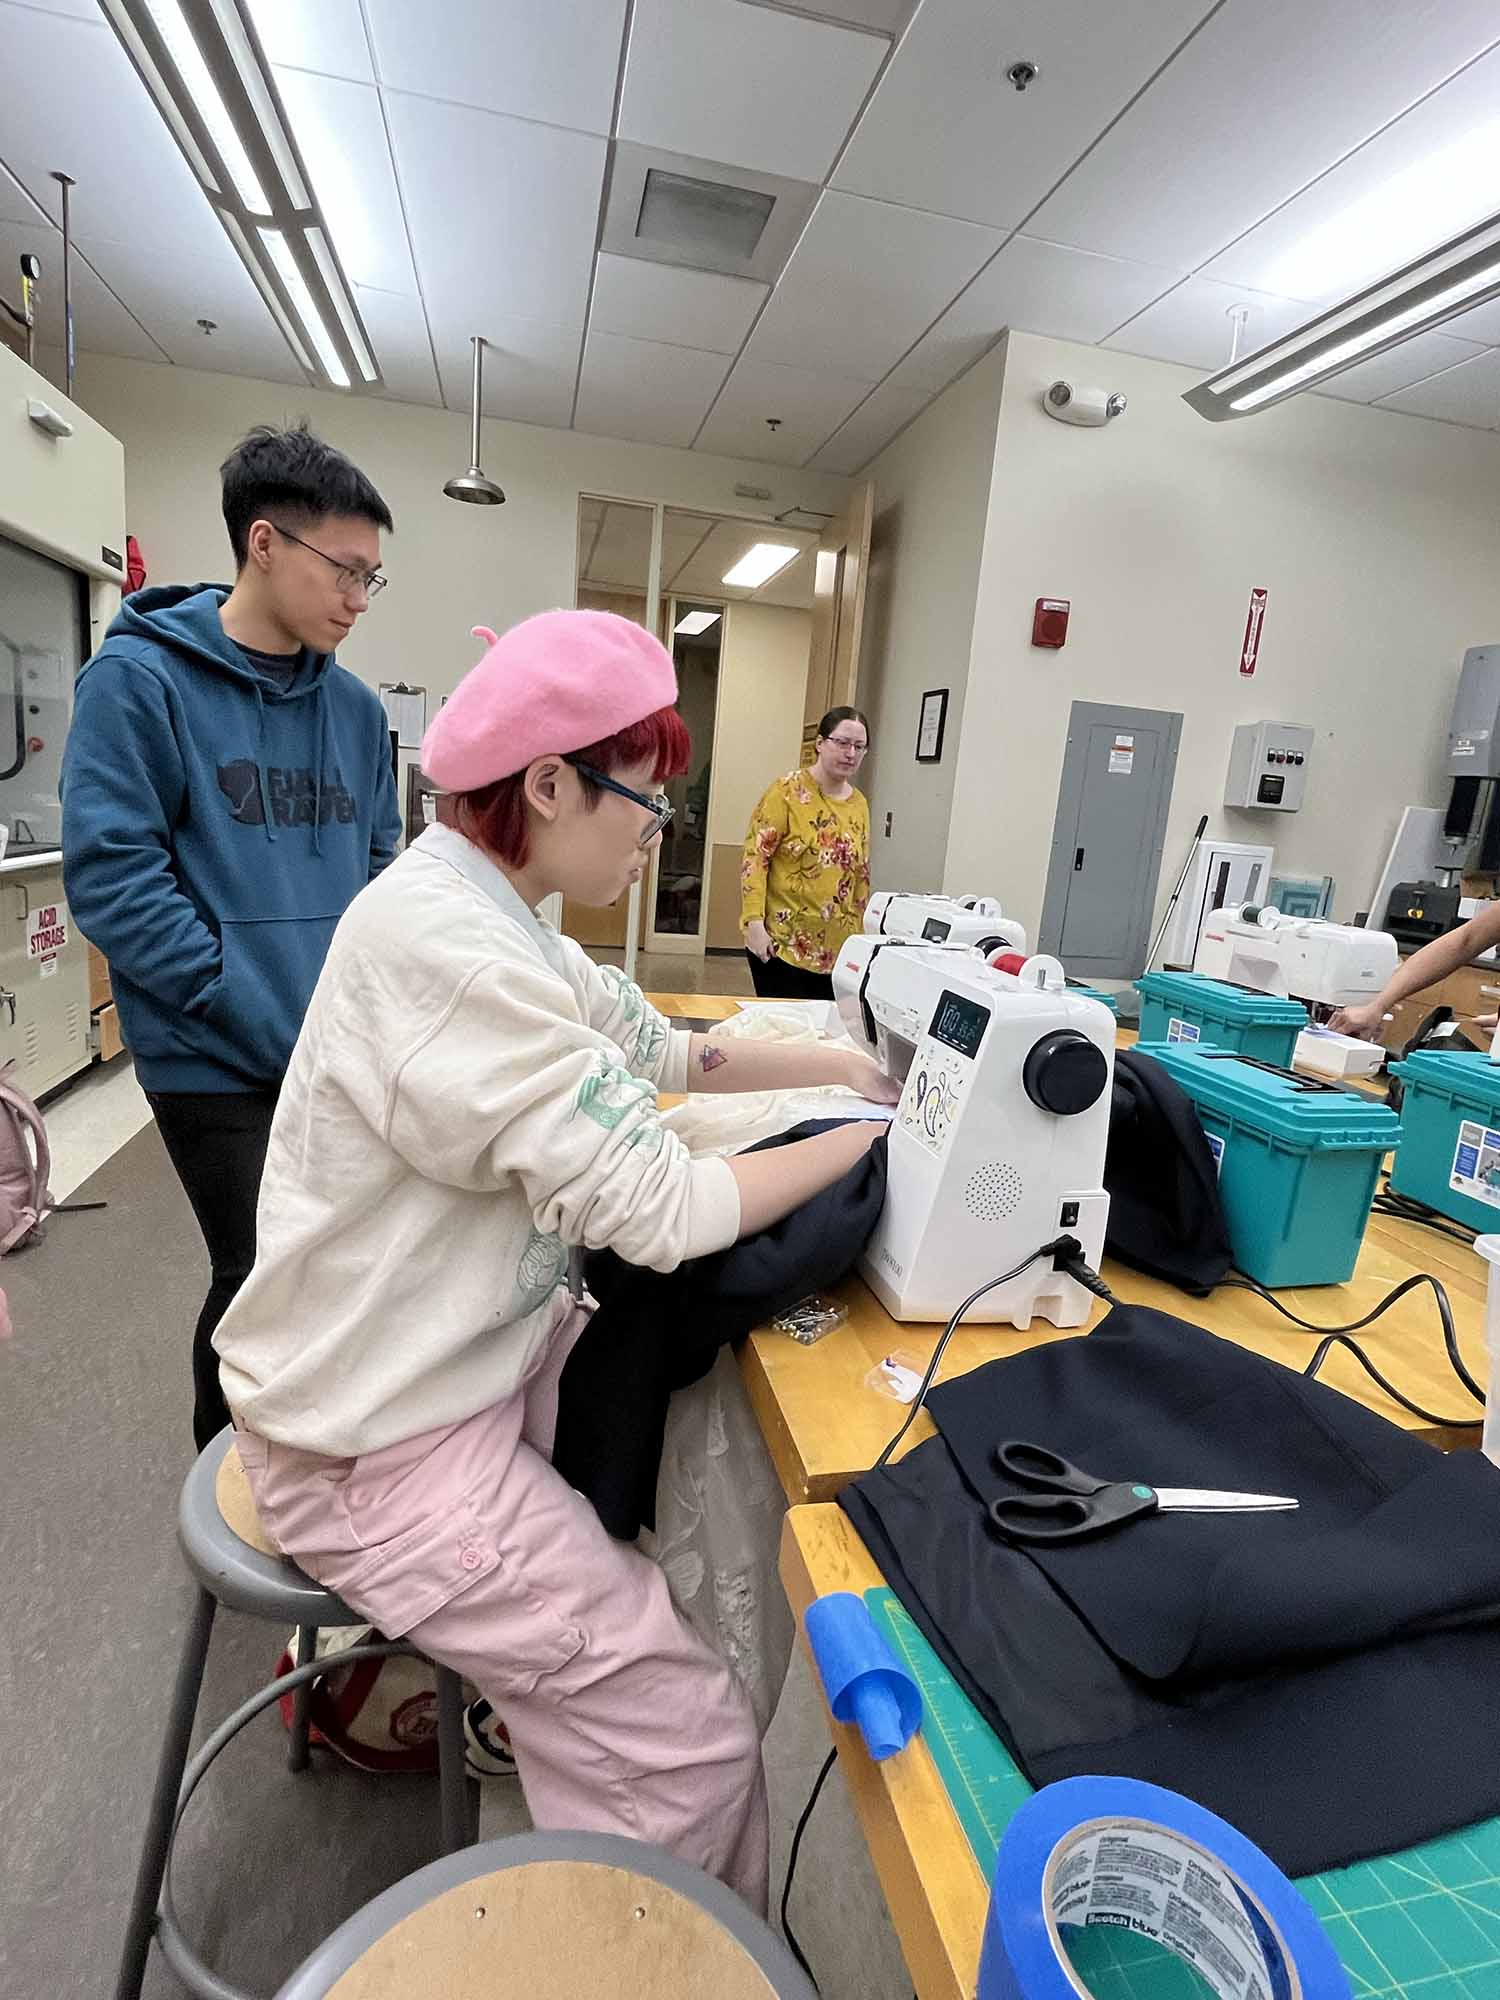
x: 762, y: 678
x: 1377, y: 536
x: 931, y: 500
x: 450, y: 566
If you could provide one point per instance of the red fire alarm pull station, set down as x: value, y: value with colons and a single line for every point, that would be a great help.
x: 1049, y: 622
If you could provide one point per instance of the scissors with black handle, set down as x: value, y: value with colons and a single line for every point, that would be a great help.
x: 1074, y: 1503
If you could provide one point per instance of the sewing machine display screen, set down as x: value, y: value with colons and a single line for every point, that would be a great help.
x: 960, y: 1023
x: 935, y: 931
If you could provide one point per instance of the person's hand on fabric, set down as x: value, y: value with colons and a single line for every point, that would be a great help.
x: 758, y: 940
x: 864, y: 1074
x: 1487, y: 1023
x: 1365, y: 1021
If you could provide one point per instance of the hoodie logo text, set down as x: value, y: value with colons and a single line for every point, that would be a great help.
x: 294, y: 796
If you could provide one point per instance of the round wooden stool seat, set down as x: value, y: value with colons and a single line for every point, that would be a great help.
x: 557, y: 1930
x: 237, y: 1504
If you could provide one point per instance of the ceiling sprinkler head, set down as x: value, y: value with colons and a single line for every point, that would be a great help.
x: 1022, y: 74
x: 773, y: 423
x: 206, y: 326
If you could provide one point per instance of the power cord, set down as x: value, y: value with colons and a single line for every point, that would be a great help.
x: 1409, y: 1209
x: 1067, y: 1255
x: 791, y: 1867
x: 1338, y: 1336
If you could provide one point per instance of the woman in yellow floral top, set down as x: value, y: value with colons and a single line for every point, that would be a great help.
x: 805, y: 878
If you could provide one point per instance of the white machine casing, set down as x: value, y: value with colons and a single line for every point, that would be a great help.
x: 1295, y: 958
x: 979, y: 1174
x: 924, y: 919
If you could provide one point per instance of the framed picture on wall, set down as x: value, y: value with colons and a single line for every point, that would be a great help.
x: 934, y: 715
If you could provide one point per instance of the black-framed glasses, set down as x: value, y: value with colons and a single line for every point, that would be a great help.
x: 657, y: 804
x: 370, y: 581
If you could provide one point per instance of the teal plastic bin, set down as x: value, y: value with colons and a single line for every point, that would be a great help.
x: 1450, y: 1135
x: 1188, y: 1008
x: 1298, y: 1161
x: 1079, y: 991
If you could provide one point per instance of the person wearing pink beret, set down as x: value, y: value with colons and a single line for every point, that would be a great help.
x: 472, y: 1103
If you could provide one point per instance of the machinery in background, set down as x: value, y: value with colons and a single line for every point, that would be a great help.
x: 1296, y: 958
x: 1418, y: 912
x: 997, y: 1145
x: 923, y: 919
x: 1268, y: 767
x: 1221, y: 874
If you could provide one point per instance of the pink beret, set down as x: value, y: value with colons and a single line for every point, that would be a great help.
x: 554, y: 683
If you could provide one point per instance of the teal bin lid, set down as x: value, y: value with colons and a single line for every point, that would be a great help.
x: 1217, y: 1000
x: 1301, y: 1111
x: 1469, y: 1076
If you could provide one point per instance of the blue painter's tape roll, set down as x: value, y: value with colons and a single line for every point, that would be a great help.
x: 1116, y: 1852
x: 863, y: 1679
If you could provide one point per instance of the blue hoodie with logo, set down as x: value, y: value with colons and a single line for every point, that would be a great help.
x: 216, y: 826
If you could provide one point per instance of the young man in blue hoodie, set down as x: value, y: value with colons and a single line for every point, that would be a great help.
x: 227, y: 792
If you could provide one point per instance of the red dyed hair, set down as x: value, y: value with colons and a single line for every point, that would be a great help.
x: 495, y: 815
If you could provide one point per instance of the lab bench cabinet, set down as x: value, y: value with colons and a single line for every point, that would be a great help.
x: 44, y: 981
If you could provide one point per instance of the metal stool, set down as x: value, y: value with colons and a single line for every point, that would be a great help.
x: 235, y: 1566
x: 617, y: 1915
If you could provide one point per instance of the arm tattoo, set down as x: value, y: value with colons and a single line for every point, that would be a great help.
x: 710, y: 1058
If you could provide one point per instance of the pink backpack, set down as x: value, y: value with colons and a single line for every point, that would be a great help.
x: 25, y: 1166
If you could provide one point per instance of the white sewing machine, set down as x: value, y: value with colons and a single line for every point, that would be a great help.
x: 998, y: 1143
x: 974, y: 920
x: 1296, y: 958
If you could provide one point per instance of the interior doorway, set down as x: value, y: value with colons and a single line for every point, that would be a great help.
x: 677, y: 903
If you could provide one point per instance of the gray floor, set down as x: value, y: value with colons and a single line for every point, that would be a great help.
x: 94, y: 1440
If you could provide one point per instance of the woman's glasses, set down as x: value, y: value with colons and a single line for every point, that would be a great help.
x: 657, y: 804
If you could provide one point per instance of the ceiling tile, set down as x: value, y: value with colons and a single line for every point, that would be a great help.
x: 1307, y: 250
x: 809, y: 404
x: 865, y: 281
x: 991, y: 153
x: 885, y: 17
x: 1191, y: 324
x: 618, y: 546
x: 1037, y: 288
x: 746, y: 85
x: 169, y: 301
x: 726, y: 543
x: 524, y: 248
x: 16, y: 205
x: 672, y: 303
x: 1482, y: 324
x: 339, y: 128
x: 323, y: 35
x: 79, y: 10
x: 397, y: 327
x: 870, y: 429
x: 553, y: 60
x: 645, y: 390
x: 101, y: 325
x: 83, y: 103
x: 1468, y: 394
x: 530, y: 368
x: 1413, y: 361
x: 1264, y: 97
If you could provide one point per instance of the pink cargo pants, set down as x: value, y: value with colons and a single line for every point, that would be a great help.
x: 467, y: 1542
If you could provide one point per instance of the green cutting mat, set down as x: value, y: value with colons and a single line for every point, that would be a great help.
x: 1423, y: 1925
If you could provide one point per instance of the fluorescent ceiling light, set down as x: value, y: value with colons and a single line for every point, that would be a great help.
x: 280, y: 252
x: 759, y: 565
x: 171, y: 25
x: 693, y: 622
x: 1448, y: 280
x: 1432, y: 200
x: 208, y: 75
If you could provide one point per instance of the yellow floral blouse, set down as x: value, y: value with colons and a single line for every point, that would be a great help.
x: 806, y: 870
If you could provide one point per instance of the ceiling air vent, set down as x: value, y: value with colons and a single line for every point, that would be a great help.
x: 668, y: 209
x: 701, y: 217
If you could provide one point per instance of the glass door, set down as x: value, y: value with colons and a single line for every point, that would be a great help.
x: 676, y: 905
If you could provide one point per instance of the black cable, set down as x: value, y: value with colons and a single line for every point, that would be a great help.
x: 1337, y: 1336
x: 1409, y: 1209
x: 791, y: 1867
x: 1068, y: 1252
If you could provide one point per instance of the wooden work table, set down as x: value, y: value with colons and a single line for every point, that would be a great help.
x: 824, y: 1424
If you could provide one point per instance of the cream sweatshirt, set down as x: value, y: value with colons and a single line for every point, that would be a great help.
x: 470, y: 1099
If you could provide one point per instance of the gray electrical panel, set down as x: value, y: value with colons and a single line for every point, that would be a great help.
x: 1474, y: 727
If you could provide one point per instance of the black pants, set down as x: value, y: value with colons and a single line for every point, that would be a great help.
x: 216, y: 1140
x: 774, y: 979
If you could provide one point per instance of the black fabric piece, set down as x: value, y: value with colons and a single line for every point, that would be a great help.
x: 1165, y: 1214
x: 1319, y: 1678
x: 778, y: 979
x: 657, y: 1332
